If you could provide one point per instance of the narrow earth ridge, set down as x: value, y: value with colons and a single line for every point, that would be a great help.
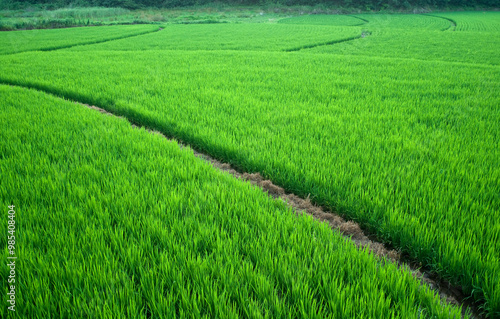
x: 351, y: 230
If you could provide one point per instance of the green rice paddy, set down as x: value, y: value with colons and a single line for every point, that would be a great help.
x: 389, y: 120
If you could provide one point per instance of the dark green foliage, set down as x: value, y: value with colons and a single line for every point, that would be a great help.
x: 361, y: 4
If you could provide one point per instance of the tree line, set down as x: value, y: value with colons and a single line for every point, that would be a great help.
x: 361, y: 4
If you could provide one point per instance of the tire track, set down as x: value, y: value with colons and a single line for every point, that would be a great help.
x: 351, y: 230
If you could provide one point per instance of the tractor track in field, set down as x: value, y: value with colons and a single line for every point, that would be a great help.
x: 351, y: 230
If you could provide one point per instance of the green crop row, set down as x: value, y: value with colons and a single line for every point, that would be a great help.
x: 116, y: 222
x: 82, y: 13
x: 32, y: 40
x: 473, y: 21
x: 331, y: 19
x: 230, y: 37
x: 419, y: 37
x: 410, y: 149
x: 403, y: 21
x: 468, y: 47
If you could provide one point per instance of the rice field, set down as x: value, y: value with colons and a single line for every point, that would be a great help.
x: 397, y: 22
x: 330, y: 20
x: 46, y: 40
x: 389, y: 120
x: 464, y: 47
x: 118, y: 222
x: 467, y: 21
x: 264, y: 37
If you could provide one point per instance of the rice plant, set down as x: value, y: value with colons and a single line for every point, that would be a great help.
x: 33, y: 40
x: 400, y: 134
x: 332, y: 20
x: 255, y: 37
x: 473, y: 21
x: 114, y: 221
